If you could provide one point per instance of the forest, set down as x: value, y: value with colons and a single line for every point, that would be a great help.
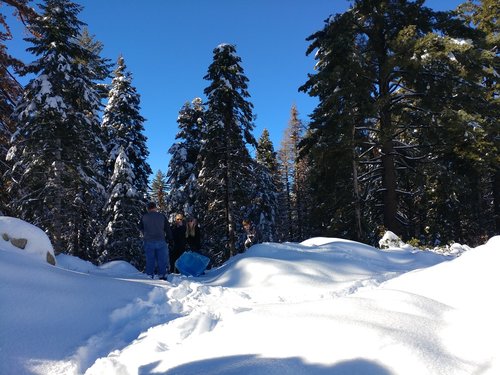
x: 405, y: 136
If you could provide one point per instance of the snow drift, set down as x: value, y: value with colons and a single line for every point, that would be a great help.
x: 325, y: 306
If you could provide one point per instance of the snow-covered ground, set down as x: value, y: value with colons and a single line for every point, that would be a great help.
x: 325, y: 306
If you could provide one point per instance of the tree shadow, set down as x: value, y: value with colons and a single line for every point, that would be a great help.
x: 252, y: 364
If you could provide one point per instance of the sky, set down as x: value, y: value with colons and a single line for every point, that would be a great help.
x: 168, y: 46
x: 323, y: 306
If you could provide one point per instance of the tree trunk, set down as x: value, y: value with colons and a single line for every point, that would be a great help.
x: 389, y: 188
x: 496, y: 199
x: 289, y: 225
x: 231, y: 243
x: 357, y: 199
x: 58, y: 192
x: 298, y: 203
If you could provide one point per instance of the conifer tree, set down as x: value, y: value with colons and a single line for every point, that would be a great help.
x: 128, y: 180
x: 485, y: 16
x: 265, y: 154
x: 226, y: 168
x: 158, y: 191
x: 182, y: 171
x: 100, y: 67
x: 397, y: 87
x: 457, y: 108
x: 121, y: 238
x: 265, y: 201
x: 10, y: 91
x: 124, y: 126
x: 293, y: 171
x: 57, y: 149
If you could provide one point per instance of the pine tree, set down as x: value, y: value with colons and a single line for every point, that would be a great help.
x: 395, y: 91
x: 121, y: 238
x: 265, y: 202
x: 158, y: 191
x: 457, y: 108
x: 339, y: 132
x: 182, y: 171
x: 128, y: 182
x: 485, y: 16
x: 293, y: 172
x: 100, y: 67
x: 226, y: 171
x: 10, y: 92
x: 57, y: 149
x: 124, y: 126
x: 265, y: 154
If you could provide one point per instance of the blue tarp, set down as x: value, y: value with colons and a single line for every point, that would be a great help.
x: 191, y: 263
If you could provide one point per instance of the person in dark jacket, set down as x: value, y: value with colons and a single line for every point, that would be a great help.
x: 193, y: 235
x: 251, y: 232
x: 179, y: 239
x: 156, y: 231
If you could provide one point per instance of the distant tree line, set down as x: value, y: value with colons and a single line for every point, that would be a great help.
x: 405, y: 137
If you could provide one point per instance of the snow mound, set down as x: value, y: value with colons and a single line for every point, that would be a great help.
x: 390, y: 241
x: 115, y: 268
x: 38, y: 244
x: 494, y: 242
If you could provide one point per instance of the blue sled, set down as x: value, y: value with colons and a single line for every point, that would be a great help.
x: 191, y: 263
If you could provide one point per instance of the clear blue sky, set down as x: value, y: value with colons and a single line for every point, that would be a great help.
x: 168, y: 44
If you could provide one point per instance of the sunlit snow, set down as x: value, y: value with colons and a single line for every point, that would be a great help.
x: 324, y: 306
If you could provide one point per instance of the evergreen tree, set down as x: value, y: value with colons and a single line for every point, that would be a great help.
x: 485, y: 16
x: 226, y: 168
x: 338, y: 133
x: 121, y: 238
x: 396, y: 90
x: 100, y: 67
x: 57, y: 149
x: 128, y: 182
x: 265, y: 202
x: 10, y: 92
x: 124, y: 126
x: 182, y: 172
x: 265, y: 154
x: 158, y: 191
x: 458, y: 113
x: 293, y: 171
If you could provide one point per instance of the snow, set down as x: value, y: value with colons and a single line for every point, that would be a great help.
x: 324, y: 306
x: 38, y: 243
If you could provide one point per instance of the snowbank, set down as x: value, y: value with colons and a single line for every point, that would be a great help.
x: 17, y: 234
x: 326, y: 306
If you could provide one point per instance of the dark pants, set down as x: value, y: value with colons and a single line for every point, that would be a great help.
x: 175, y: 253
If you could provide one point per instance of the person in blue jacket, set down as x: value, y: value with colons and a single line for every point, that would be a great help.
x: 156, y: 232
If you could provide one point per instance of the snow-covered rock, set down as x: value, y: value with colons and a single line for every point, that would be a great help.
x: 18, y: 235
x: 390, y: 241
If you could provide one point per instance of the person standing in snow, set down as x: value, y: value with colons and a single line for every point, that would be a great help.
x: 179, y: 237
x: 156, y: 231
x: 252, y: 233
x: 193, y: 235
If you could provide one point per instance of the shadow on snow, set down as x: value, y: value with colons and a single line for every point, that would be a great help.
x: 252, y: 364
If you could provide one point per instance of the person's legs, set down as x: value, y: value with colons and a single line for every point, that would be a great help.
x: 162, y: 258
x: 176, y: 253
x: 171, y: 258
x: 150, y: 258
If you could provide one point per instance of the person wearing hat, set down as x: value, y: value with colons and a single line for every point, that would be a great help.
x: 156, y: 231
